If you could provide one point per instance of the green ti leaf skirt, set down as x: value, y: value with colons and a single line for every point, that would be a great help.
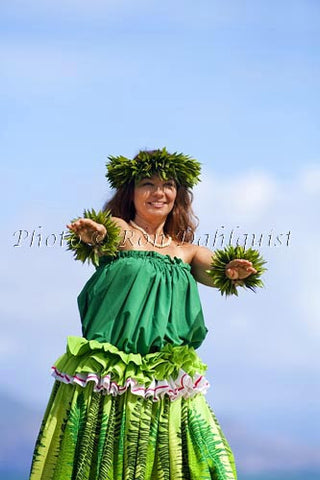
x: 118, y: 416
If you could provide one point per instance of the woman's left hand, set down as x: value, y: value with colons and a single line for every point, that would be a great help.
x: 238, y: 269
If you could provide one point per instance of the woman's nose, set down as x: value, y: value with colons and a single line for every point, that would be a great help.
x: 158, y: 189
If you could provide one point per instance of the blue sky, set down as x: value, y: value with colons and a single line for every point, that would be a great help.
x: 234, y: 84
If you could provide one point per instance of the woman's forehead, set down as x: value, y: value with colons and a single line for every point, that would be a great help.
x: 157, y: 178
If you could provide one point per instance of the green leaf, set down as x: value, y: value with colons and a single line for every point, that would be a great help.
x: 91, y: 252
x: 222, y: 257
x: 182, y: 168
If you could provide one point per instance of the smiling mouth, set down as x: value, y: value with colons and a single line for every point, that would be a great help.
x: 157, y: 204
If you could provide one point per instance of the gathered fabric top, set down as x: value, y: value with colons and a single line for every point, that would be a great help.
x: 140, y: 301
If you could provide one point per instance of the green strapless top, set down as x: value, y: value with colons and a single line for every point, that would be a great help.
x: 140, y: 300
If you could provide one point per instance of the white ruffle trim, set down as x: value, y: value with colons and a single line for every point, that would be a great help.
x: 183, y: 386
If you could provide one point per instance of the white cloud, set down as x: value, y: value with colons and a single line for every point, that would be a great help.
x: 243, y: 197
x: 258, y: 203
x: 310, y: 180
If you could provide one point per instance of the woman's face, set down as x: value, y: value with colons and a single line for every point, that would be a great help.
x: 154, y: 197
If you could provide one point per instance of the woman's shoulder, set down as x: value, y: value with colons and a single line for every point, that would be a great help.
x: 184, y: 250
x: 120, y: 222
x: 193, y: 254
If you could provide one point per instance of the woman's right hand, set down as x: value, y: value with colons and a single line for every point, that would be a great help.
x: 88, y: 230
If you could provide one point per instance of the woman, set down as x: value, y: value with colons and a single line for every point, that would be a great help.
x: 128, y: 401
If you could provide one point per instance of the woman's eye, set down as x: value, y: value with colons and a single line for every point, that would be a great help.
x: 169, y: 185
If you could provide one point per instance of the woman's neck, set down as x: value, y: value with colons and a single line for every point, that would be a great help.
x: 153, y: 227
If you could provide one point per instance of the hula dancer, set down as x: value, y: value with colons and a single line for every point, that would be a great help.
x: 129, y: 397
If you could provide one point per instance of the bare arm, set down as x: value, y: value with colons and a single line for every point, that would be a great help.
x: 201, y: 262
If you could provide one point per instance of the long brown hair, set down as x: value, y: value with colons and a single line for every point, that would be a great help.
x: 181, y: 222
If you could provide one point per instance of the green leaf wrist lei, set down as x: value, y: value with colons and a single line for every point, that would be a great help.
x: 220, y: 260
x: 91, y: 252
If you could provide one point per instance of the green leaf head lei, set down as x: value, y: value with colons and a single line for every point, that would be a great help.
x: 182, y: 168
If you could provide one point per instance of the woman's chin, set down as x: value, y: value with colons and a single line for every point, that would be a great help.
x: 161, y: 211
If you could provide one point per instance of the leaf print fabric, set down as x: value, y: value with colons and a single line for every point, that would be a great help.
x: 89, y: 436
